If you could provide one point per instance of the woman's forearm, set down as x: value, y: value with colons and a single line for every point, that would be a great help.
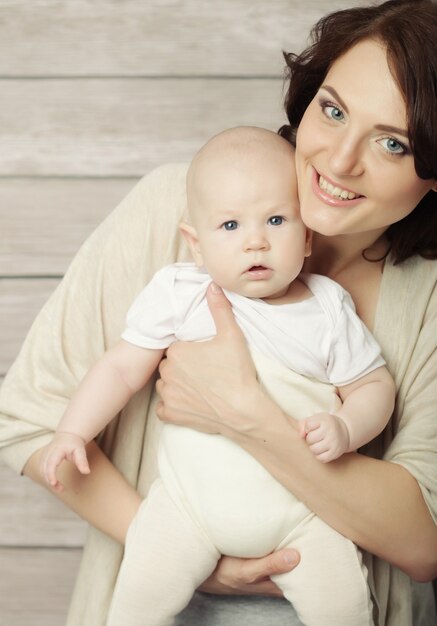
x: 377, y: 504
x: 103, y: 498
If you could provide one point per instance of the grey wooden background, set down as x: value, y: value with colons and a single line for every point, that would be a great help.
x: 93, y: 95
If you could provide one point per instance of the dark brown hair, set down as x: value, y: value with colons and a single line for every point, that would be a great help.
x: 408, y: 29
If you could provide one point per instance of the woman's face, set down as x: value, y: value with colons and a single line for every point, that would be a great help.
x: 354, y: 164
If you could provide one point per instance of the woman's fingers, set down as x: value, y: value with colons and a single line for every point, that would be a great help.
x: 231, y: 350
x: 251, y: 576
x: 278, y: 562
x: 201, y: 383
x: 221, y: 311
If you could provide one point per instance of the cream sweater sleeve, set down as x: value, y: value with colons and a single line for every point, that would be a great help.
x: 86, y: 313
x: 406, y: 328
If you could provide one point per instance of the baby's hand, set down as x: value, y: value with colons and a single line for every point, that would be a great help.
x: 63, y: 446
x: 326, y: 435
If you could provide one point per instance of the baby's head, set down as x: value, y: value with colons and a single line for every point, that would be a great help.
x: 244, y: 223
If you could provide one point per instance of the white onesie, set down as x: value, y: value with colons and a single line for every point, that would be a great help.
x: 321, y: 337
x: 219, y: 493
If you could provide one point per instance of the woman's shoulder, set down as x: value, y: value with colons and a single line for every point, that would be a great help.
x: 147, y: 218
x: 413, y: 280
x: 407, y: 285
x: 158, y: 197
x: 164, y: 184
x: 164, y: 175
x: 406, y: 316
x: 415, y: 266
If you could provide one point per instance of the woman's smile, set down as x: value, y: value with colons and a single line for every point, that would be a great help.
x: 332, y: 193
x: 336, y: 191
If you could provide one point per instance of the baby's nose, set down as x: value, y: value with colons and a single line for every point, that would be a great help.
x: 257, y: 241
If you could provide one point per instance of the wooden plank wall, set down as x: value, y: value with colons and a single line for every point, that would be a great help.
x: 93, y: 95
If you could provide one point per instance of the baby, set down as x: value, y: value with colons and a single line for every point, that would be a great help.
x: 310, y: 350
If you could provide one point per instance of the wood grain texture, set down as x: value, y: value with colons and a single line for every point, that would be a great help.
x: 154, y: 38
x: 36, y: 585
x: 20, y: 301
x: 44, y: 221
x: 125, y: 127
x: 31, y: 516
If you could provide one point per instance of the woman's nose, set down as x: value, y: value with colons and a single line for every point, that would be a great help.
x: 346, y: 158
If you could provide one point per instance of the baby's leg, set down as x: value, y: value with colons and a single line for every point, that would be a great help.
x: 329, y: 586
x: 166, y: 558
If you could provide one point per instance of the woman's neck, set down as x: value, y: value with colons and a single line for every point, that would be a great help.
x: 339, y: 256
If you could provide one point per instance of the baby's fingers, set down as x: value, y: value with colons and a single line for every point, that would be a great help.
x: 51, y: 465
x: 58, y: 487
x: 326, y: 457
x: 79, y: 458
x: 302, y: 429
x: 306, y: 426
x: 315, y: 436
x: 320, y: 449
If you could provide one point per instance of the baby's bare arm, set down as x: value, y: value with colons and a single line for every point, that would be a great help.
x: 367, y: 406
x: 104, y: 391
x: 107, y: 387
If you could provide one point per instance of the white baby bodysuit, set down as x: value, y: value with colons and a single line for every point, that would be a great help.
x: 321, y: 337
x: 306, y: 348
x: 212, y: 497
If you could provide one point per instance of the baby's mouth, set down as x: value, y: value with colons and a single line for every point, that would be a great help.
x: 336, y: 192
x: 258, y: 272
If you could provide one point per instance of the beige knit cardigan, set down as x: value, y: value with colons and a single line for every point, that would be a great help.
x: 86, y: 314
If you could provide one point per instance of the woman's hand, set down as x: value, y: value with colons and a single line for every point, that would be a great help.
x: 211, y: 386
x: 250, y: 576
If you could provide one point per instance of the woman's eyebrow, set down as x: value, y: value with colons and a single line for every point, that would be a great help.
x: 383, y: 127
x: 393, y: 129
x: 333, y: 93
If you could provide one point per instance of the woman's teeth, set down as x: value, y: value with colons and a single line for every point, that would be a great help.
x: 336, y: 192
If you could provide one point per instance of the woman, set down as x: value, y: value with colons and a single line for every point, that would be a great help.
x: 362, y: 111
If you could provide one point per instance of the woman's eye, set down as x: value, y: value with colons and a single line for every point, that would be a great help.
x: 392, y: 146
x: 276, y: 220
x: 333, y: 112
x: 231, y: 225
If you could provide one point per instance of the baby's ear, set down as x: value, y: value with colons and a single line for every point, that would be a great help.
x: 190, y: 235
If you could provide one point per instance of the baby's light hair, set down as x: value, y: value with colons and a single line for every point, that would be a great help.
x: 233, y: 146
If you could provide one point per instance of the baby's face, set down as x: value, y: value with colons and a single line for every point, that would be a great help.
x: 251, y: 239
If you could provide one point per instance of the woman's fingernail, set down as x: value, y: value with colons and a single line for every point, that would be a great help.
x: 291, y: 557
x: 215, y: 288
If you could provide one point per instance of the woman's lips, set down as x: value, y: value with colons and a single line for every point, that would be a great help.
x: 332, y: 194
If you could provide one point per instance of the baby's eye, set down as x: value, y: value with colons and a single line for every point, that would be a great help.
x: 276, y: 220
x: 393, y: 146
x: 231, y: 225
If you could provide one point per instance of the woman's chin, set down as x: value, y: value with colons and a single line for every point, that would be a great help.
x: 326, y: 228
